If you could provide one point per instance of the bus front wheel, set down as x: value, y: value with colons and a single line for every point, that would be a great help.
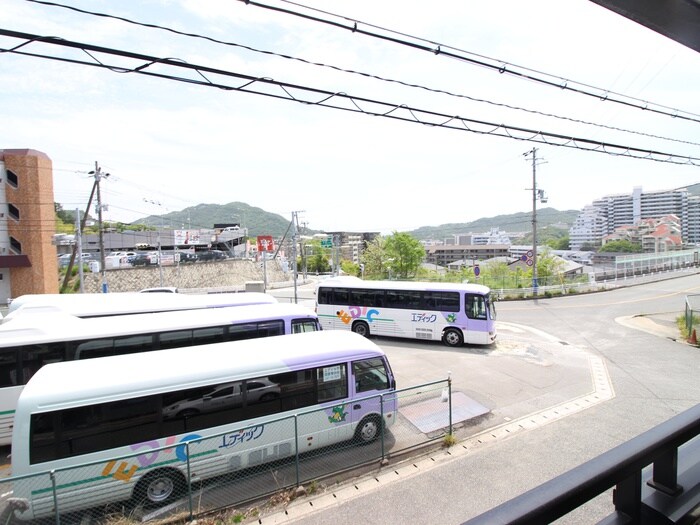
x: 453, y: 337
x: 362, y: 328
x: 160, y: 487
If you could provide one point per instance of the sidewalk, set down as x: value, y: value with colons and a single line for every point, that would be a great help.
x: 661, y: 325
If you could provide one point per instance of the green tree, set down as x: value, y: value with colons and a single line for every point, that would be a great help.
x: 404, y: 253
x: 622, y: 246
x: 316, y: 258
x: 350, y: 268
x: 548, y: 266
x: 561, y: 243
x: 373, y: 258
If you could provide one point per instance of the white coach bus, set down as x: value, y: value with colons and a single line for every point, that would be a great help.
x: 78, y: 421
x: 454, y: 313
x: 32, y: 341
x: 127, y: 303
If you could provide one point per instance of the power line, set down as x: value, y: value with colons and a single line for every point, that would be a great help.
x: 380, y: 78
x: 337, y: 100
x: 499, y: 66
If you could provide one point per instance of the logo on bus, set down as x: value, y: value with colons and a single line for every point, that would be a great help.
x: 126, y: 470
x: 337, y: 414
x: 357, y: 312
x: 248, y: 434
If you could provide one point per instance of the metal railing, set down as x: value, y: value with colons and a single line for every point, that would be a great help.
x: 668, y: 456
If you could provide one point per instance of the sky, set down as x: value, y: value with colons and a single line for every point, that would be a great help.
x: 170, y: 145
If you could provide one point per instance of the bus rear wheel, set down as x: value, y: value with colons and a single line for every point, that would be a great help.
x: 160, y: 487
x: 368, y: 430
x: 453, y: 337
x: 360, y: 327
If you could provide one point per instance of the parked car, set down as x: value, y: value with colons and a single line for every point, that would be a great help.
x: 211, y: 255
x: 188, y: 257
x: 140, y: 259
x: 226, y: 396
x: 64, y: 259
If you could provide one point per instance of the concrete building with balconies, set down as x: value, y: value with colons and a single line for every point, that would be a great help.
x: 605, y: 215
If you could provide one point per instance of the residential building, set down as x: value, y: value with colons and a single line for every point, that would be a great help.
x: 444, y: 255
x: 28, y: 258
x: 605, y: 215
x: 653, y: 235
x: 493, y: 236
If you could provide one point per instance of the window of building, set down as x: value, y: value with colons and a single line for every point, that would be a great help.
x: 15, y: 246
x: 12, y: 178
x: 13, y: 211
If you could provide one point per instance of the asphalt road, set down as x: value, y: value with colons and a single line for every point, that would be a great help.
x: 569, y: 378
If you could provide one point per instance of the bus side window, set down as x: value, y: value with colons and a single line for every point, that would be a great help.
x: 8, y: 367
x: 332, y: 383
x: 370, y: 374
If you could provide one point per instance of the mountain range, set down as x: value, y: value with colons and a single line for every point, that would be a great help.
x: 550, y: 221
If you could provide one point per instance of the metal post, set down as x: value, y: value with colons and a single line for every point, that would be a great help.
x: 79, y: 234
x: 296, y: 451
x: 294, y: 253
x: 534, y: 221
x: 160, y: 249
x: 52, y: 474
x: 381, y: 424
x: 103, y: 270
x: 189, y: 479
x: 449, y: 399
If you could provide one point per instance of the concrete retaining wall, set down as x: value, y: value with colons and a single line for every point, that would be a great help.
x: 229, y: 275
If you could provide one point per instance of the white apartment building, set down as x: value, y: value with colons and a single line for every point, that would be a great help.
x: 493, y: 236
x: 604, y: 215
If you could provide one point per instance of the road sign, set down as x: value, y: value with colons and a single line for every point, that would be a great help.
x: 477, y: 271
x: 327, y: 242
x: 265, y: 243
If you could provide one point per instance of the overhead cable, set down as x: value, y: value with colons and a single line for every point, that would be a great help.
x: 492, y: 64
x: 355, y: 72
x: 335, y: 100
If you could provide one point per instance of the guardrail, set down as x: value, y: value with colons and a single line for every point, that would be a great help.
x: 668, y: 456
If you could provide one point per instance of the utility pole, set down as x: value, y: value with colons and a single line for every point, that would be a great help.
x: 536, y: 194
x: 295, y: 233
x: 69, y: 269
x: 98, y: 176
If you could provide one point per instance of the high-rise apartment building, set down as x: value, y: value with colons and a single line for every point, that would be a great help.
x: 28, y: 259
x: 604, y: 215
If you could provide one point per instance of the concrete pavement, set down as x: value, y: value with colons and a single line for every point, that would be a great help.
x: 660, y: 325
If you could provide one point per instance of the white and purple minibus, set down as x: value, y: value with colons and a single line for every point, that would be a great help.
x: 92, y: 432
x: 449, y: 312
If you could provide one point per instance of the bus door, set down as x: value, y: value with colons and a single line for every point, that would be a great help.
x: 370, y: 378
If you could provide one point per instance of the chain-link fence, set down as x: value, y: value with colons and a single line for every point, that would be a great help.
x: 194, y: 475
x: 692, y: 313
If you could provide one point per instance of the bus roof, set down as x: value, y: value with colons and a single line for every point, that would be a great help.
x: 354, y: 282
x: 60, y: 326
x: 98, y: 304
x: 77, y: 383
